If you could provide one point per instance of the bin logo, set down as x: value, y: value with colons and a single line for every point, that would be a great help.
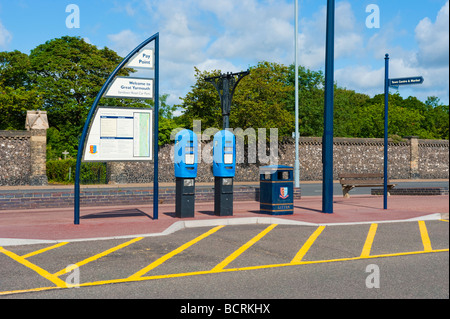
x: 284, y: 193
x: 93, y: 149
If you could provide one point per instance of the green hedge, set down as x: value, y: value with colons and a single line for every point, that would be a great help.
x: 90, y: 173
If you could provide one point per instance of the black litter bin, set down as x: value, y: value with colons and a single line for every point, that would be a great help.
x: 276, y: 189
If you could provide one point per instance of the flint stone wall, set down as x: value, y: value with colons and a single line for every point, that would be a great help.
x: 15, y: 158
x: 409, y: 159
x: 22, y: 160
x: 22, y: 157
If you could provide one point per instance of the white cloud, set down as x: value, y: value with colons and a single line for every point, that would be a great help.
x: 348, y: 36
x: 230, y: 35
x: 124, y: 41
x: 221, y: 8
x: 349, y: 40
x: 370, y: 81
x: 429, y: 59
x: 215, y: 64
x: 361, y: 77
x: 253, y: 30
x: 433, y: 39
x: 217, y: 35
x: 130, y: 10
x: 185, y: 49
x: 5, y: 36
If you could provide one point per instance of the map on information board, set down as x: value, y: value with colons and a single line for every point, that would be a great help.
x: 120, y: 134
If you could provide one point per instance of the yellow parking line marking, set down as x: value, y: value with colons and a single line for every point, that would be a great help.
x: 444, y: 220
x: 179, y: 275
x: 243, y: 248
x: 100, y: 255
x: 302, y: 252
x: 425, y: 238
x: 37, y: 252
x: 369, y: 241
x: 11, y: 292
x: 206, y: 272
x: 166, y: 257
x: 54, y: 279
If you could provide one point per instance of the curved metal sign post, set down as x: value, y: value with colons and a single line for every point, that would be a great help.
x: 92, y: 111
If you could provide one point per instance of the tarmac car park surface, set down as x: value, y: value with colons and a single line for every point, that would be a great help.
x: 239, y: 261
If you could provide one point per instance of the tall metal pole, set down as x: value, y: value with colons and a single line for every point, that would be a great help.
x: 297, y: 161
x: 156, y: 137
x: 386, y: 118
x: 226, y: 108
x: 327, y: 145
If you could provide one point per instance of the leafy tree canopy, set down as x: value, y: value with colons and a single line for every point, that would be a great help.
x: 63, y: 76
x: 266, y: 99
x: 260, y: 100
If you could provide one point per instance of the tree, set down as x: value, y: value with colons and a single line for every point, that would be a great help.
x: 348, y: 112
x: 258, y: 102
x: 202, y: 102
x: 407, y: 117
x: 266, y: 98
x: 437, y: 117
x: 64, y: 75
x: 310, y: 100
x: 68, y: 73
x: 17, y: 94
x: 167, y: 122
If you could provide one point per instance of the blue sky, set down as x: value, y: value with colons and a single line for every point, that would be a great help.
x: 233, y: 34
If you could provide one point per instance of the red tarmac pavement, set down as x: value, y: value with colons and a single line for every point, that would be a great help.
x: 95, y: 222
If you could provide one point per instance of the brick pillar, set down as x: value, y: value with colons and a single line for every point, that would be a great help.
x: 38, y: 146
x: 414, y: 157
x: 37, y: 124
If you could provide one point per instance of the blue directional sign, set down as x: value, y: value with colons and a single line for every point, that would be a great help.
x: 406, y: 81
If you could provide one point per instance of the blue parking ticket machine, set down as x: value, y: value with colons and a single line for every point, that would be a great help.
x: 224, y: 169
x: 185, y: 165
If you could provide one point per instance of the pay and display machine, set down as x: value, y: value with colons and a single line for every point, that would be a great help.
x: 224, y: 169
x: 185, y: 162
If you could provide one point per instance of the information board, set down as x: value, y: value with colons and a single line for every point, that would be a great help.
x: 120, y: 134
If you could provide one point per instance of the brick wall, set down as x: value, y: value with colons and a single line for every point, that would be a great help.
x: 108, y: 196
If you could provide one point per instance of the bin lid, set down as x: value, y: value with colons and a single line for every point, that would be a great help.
x: 274, y: 168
